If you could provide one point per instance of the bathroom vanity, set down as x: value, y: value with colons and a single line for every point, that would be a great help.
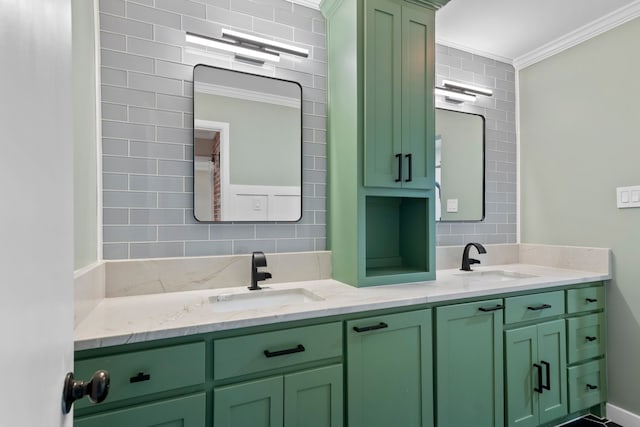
x: 504, y: 345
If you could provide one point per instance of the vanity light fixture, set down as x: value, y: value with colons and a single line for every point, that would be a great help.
x: 458, y: 93
x: 247, y: 47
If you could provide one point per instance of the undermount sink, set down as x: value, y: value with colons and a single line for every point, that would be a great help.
x: 265, y: 298
x: 494, y: 275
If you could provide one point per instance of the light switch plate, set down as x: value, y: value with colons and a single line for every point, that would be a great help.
x: 628, y: 197
x: 452, y: 205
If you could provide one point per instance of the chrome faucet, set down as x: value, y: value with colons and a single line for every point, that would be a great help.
x: 466, y: 261
x: 258, y: 259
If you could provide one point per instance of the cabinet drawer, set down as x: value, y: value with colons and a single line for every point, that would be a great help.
x: 185, y: 411
x: 533, y: 307
x: 585, y: 299
x: 586, y: 337
x: 145, y: 372
x: 586, y: 385
x: 272, y: 350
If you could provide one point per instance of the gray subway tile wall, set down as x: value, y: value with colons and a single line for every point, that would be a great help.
x: 147, y: 114
x: 499, y: 225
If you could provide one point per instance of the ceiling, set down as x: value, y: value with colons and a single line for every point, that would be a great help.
x: 522, y: 32
x: 518, y: 31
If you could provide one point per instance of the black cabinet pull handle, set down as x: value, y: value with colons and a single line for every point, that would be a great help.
x: 399, y: 157
x: 410, y: 163
x: 591, y: 300
x: 380, y: 325
x: 591, y: 338
x: 592, y: 387
x: 539, y: 388
x: 297, y: 349
x: 548, y: 375
x: 487, y: 309
x: 539, y: 307
x: 140, y: 378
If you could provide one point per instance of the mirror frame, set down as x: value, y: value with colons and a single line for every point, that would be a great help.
x: 301, y: 148
x: 484, y: 168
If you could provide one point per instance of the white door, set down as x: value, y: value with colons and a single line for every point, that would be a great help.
x: 36, y: 211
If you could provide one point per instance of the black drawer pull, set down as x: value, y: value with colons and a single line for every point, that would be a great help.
x: 548, y: 376
x: 298, y: 349
x: 380, y: 325
x: 399, y: 157
x: 539, y: 307
x: 591, y: 300
x: 140, y: 378
x: 487, y: 309
x: 539, y: 388
x: 592, y: 387
x: 591, y: 338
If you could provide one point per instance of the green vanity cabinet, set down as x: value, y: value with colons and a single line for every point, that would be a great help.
x: 389, y: 370
x: 469, y: 364
x: 311, y: 398
x: 380, y: 144
x: 536, y: 374
x: 586, y: 346
x: 187, y: 411
x: 282, y: 395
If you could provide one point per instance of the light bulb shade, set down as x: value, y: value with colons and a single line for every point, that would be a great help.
x: 270, y: 45
x: 454, y: 95
x: 241, y: 51
x: 465, y: 87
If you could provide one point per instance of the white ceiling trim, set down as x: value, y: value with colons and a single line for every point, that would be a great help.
x: 313, y: 4
x: 473, y: 51
x: 582, y: 34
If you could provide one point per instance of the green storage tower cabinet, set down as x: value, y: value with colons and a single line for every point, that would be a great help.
x: 381, y: 56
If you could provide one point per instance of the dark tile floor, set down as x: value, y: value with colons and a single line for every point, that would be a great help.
x: 592, y: 421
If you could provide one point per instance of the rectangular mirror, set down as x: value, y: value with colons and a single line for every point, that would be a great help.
x: 459, y: 166
x: 247, y: 147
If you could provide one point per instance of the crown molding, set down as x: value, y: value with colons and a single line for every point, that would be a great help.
x: 473, y: 51
x: 313, y: 4
x: 582, y: 34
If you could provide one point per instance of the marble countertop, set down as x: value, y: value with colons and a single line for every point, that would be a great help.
x: 123, y: 320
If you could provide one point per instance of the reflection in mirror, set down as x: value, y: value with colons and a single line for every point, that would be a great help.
x: 247, y: 147
x: 459, y: 166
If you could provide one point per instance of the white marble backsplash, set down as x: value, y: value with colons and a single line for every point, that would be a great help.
x: 580, y: 258
x: 153, y: 276
x: 448, y: 257
x: 89, y: 289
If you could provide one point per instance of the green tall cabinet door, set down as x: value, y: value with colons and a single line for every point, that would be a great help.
x: 187, y: 411
x: 252, y: 404
x: 469, y: 364
x: 399, y: 115
x: 536, y: 373
x: 383, y: 94
x: 389, y: 371
x: 313, y: 398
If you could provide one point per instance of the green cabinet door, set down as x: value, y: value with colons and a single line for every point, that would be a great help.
x: 187, y: 411
x: 398, y: 80
x: 383, y: 156
x: 521, y: 354
x: 313, y: 398
x: 469, y: 364
x: 536, y: 373
x: 418, y: 114
x: 389, y: 370
x: 251, y: 404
